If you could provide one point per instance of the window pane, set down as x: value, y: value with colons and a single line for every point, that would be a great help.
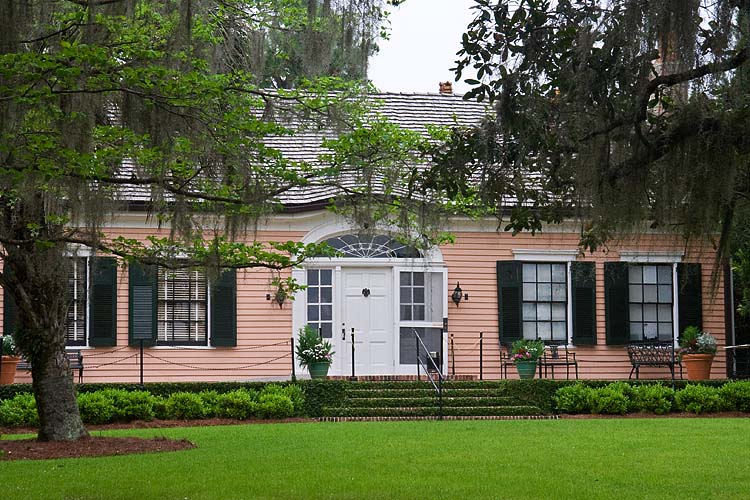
x: 649, y: 293
x: 419, y: 295
x: 405, y: 313
x: 636, y: 331
x: 418, y: 313
x: 558, y: 331
x: 312, y: 277
x: 649, y: 312
x: 665, y: 331
x: 313, y: 313
x: 529, y: 273
x: 543, y: 312
x: 405, y: 296
x: 544, y: 330
x: 636, y: 312
x: 529, y: 311
x: 649, y: 274
x: 418, y: 279
x: 544, y: 274
x: 635, y: 274
x: 326, y: 294
x: 312, y: 295
x: 665, y: 275
x: 558, y: 311
x: 650, y: 331
x: 405, y: 279
x: 529, y: 291
x: 544, y: 292
x: 327, y: 330
x: 559, y: 292
x: 665, y: 293
x: 326, y: 276
x: 636, y: 293
x: 529, y: 330
x: 558, y: 273
x: 665, y: 312
x: 326, y: 312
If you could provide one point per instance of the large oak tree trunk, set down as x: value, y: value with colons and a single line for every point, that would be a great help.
x: 36, y: 276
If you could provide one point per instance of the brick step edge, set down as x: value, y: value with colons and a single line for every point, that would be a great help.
x: 434, y: 417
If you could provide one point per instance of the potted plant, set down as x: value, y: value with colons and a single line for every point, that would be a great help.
x: 9, y: 361
x: 525, y: 353
x: 697, y: 350
x: 313, y: 352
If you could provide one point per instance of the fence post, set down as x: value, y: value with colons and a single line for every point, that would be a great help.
x: 416, y: 351
x: 481, y: 355
x: 353, y: 375
x: 294, y: 368
x: 141, y: 348
x: 453, y: 357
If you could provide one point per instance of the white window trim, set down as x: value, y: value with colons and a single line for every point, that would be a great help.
x: 536, y: 255
x: 640, y: 257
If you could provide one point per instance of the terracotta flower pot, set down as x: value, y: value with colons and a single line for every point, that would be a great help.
x: 8, y: 369
x: 698, y: 366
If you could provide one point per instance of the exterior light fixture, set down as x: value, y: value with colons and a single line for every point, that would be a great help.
x: 458, y: 295
x: 279, y: 296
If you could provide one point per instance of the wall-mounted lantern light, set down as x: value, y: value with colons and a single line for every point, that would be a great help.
x: 459, y: 295
x: 279, y: 296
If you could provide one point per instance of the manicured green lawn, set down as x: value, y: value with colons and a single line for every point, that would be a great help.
x: 619, y: 458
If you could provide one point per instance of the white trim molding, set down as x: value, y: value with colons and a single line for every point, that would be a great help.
x: 536, y: 255
x: 641, y: 257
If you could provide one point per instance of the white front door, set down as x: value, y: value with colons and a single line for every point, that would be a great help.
x: 366, y: 305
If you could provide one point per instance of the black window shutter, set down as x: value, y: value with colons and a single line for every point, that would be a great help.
x: 689, y: 296
x: 10, y: 313
x: 616, y: 302
x: 583, y: 277
x: 142, y: 301
x: 224, y: 310
x: 509, y: 287
x: 103, y: 302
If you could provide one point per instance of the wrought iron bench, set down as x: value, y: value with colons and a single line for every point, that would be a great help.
x: 652, y: 354
x: 75, y: 358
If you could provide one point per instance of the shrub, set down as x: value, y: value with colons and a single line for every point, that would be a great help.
x: 574, y: 399
x: 240, y: 404
x: 698, y: 399
x: 185, y: 406
x: 654, y: 398
x: 210, y: 402
x: 736, y: 395
x: 96, y: 408
x: 297, y: 395
x: 130, y: 405
x: 160, y: 407
x: 18, y: 411
x: 609, y: 401
x: 274, y: 405
x: 629, y: 392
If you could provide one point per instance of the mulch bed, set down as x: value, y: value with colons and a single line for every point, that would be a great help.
x: 99, y: 446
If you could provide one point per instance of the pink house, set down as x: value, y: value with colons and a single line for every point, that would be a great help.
x: 647, y: 288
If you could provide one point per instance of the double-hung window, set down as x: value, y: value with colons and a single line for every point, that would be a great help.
x: 545, y: 301
x: 650, y: 301
x: 421, y: 305
x: 182, y: 307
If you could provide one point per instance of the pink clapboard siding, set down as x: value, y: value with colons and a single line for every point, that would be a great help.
x: 264, y: 330
x: 471, y: 261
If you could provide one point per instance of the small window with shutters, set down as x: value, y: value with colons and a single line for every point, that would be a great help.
x: 182, y: 307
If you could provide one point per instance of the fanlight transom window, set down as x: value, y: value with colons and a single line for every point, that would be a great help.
x: 372, y: 247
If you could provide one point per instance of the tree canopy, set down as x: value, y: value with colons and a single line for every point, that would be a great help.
x: 108, y: 105
x: 620, y: 112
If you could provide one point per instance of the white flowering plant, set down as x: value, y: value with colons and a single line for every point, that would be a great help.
x: 311, y: 348
x: 695, y: 341
x: 526, y: 350
x: 9, y: 346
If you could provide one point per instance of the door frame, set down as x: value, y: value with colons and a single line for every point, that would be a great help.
x: 339, y: 366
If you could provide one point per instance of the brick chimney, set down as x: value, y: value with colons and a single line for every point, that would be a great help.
x: 446, y: 88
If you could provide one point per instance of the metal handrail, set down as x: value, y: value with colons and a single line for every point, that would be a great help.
x: 437, y: 386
